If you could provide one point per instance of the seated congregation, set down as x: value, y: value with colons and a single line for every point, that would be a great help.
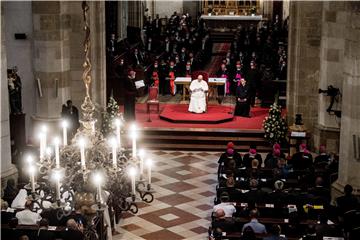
x: 281, y: 197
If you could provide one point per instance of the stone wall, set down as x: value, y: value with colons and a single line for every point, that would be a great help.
x: 7, y: 169
x: 167, y: 8
x: 350, y: 120
x: 24, y: 24
x: 304, y: 61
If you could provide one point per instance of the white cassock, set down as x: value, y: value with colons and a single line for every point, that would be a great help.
x: 198, y: 96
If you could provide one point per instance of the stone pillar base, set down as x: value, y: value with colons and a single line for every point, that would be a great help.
x: 12, y: 172
x: 330, y: 137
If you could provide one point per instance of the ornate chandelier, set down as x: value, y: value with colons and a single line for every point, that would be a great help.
x: 89, y: 163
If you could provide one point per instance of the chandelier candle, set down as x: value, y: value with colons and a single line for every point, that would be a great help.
x: 64, y: 127
x: 32, y: 177
x: 98, y: 181
x: 133, y: 135
x: 43, y: 142
x: 132, y: 173
x: 149, y: 164
x: 82, y: 153
x: 57, y: 152
x: 57, y: 182
x: 141, y: 156
x: 114, y: 155
x: 118, y: 131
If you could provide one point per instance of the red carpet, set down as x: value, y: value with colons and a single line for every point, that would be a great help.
x: 178, y: 113
x: 254, y: 123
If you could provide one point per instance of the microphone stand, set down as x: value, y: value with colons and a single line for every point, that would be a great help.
x: 231, y: 104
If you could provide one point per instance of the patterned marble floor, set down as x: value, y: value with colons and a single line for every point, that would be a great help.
x: 185, y: 189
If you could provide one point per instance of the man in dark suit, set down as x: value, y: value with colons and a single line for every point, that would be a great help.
x: 130, y: 96
x: 255, y: 195
x: 348, y: 201
x: 320, y: 193
x: 323, y: 157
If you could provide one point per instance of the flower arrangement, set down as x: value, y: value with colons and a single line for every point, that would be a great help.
x: 253, y: 10
x: 112, y: 112
x: 275, y: 126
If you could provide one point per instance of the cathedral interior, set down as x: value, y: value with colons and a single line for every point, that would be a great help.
x: 287, y: 168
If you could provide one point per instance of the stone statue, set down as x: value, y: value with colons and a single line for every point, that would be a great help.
x: 14, y: 87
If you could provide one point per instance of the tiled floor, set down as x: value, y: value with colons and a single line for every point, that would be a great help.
x: 185, y: 189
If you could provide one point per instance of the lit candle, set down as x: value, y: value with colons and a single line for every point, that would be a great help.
x: 98, y: 181
x: 133, y: 135
x: 32, y: 177
x: 118, y: 131
x: 44, y: 130
x: 132, y: 173
x: 141, y: 156
x: 57, y: 177
x: 149, y: 164
x: 42, y: 149
x: 64, y: 126
x: 82, y: 152
x: 113, y: 144
x: 57, y: 152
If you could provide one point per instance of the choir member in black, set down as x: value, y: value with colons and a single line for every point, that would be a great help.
x: 253, y: 77
x: 130, y: 96
x: 163, y: 74
x: 156, y: 25
x: 137, y: 58
x: 222, y: 73
x: 242, y: 107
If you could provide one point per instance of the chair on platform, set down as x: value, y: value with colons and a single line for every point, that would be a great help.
x: 153, y: 99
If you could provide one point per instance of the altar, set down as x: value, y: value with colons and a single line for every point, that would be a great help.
x: 213, y: 83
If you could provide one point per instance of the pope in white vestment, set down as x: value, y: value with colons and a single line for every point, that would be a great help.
x: 198, y: 91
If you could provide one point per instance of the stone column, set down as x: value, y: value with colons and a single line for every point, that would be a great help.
x: 52, y: 60
x: 123, y: 17
x: 304, y: 61
x: 98, y: 53
x: 8, y: 170
x: 327, y: 131
x: 350, y: 119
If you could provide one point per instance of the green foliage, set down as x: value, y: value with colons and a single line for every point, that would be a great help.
x: 275, y: 126
x: 112, y: 112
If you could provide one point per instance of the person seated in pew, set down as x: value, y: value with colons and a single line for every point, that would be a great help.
x: 254, y: 195
x: 347, y: 202
x: 310, y: 233
x: 73, y: 231
x: 248, y: 234
x: 230, y: 154
x: 221, y: 223
x: 43, y: 232
x: 271, y: 159
x: 278, y: 197
x: 275, y: 231
x: 254, y: 223
x: 320, y: 193
x: 254, y: 171
x: 252, y: 154
x: 323, y: 157
x: 281, y: 171
x: 6, y: 213
x: 228, y: 208
x: 26, y: 216
x: 327, y: 228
